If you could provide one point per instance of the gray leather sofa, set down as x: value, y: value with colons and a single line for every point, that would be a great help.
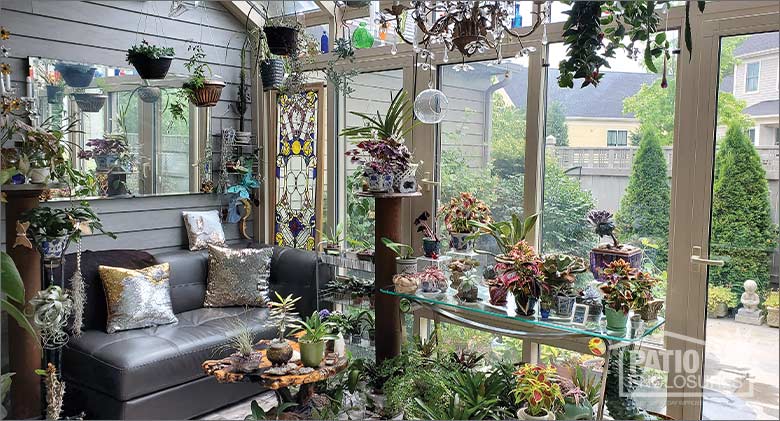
x: 155, y: 373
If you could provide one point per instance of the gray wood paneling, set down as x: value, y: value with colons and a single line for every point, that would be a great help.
x: 100, y: 32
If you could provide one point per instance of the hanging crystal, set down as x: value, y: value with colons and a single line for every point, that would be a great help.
x: 446, y: 57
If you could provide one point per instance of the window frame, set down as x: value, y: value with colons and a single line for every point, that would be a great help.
x: 619, y: 134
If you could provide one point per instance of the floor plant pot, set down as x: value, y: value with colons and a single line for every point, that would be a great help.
x: 151, y: 68
x: 525, y: 304
x: 564, y: 305
x: 773, y: 316
x: 54, y: 94
x: 459, y: 241
x: 279, y: 352
x: 90, y: 103
x: 40, y: 175
x: 522, y: 414
x: 282, y: 40
x: 312, y: 353
x: 601, y: 257
x: 405, y: 265
x: 272, y: 73
x: 76, y: 75
x: 616, y: 320
x: 431, y: 246
x: 208, y: 95
x: 583, y: 411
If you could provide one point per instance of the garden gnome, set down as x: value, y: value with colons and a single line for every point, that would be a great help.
x: 749, y: 313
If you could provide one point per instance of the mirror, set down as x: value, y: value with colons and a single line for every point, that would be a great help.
x: 125, y: 131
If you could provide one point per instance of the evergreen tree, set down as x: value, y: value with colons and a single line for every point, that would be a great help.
x: 556, y: 124
x: 644, y: 209
x: 742, y: 229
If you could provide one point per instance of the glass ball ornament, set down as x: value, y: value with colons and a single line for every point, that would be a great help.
x: 430, y: 106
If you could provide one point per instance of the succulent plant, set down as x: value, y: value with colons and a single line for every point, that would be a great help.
x: 603, y: 224
x: 560, y: 271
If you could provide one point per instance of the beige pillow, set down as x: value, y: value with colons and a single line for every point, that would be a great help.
x: 238, y: 277
x: 204, y: 228
x: 137, y: 298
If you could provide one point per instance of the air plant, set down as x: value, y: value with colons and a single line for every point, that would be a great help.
x: 241, y: 342
x: 55, y: 391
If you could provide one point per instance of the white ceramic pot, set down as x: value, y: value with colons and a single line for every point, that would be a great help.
x: 340, y: 346
x: 40, y: 175
x: 523, y: 415
x: 405, y: 265
x: 459, y: 241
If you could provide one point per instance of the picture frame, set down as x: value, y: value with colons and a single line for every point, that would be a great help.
x: 579, y: 315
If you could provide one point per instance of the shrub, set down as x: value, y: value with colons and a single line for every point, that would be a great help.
x: 742, y: 228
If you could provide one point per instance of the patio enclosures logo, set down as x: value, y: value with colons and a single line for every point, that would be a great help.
x: 679, y: 367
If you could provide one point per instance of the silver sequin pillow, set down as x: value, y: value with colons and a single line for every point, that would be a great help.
x: 137, y: 298
x: 204, y: 228
x: 238, y: 277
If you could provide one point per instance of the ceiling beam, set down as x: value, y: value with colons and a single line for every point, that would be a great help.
x: 328, y: 7
x: 241, y: 9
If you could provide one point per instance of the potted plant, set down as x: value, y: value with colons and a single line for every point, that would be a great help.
x: 365, y: 250
x: 282, y: 312
x: 405, y: 262
x: 605, y: 253
x: 505, y: 233
x: 644, y: 302
x: 431, y: 241
x: 467, y: 290
x: 538, y: 391
x: 432, y: 280
x: 281, y: 34
x: 497, y: 291
x: 240, y: 346
x: 580, y: 389
x: 51, y: 229
x: 312, y: 342
x: 460, y: 215
x: 332, y: 240
x: 75, y: 75
x: 591, y: 297
x: 546, y: 304
x: 459, y: 267
x: 380, y: 151
x: 560, y: 273
x: 340, y: 327
x: 198, y: 90
x: 354, y: 323
x: 90, y: 102
x: 719, y: 300
x: 150, y: 61
x: 406, y: 283
x: 772, y: 305
x: 55, y: 86
x: 520, y: 271
x: 618, y: 297
x: 106, y: 152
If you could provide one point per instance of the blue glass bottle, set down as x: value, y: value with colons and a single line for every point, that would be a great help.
x: 324, y: 42
x: 517, y: 22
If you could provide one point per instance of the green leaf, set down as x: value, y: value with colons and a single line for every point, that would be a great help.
x: 12, y: 284
x: 40, y: 372
x: 649, y: 59
x: 258, y: 413
x: 660, y: 37
x: 14, y: 312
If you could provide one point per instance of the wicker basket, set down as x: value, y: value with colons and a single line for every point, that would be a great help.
x: 272, y: 73
x: 209, y: 94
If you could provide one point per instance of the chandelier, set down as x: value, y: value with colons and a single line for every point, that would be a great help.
x: 471, y: 27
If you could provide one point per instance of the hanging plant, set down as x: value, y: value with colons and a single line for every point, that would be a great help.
x: 342, y: 75
x: 49, y: 310
x: 199, y: 90
x: 594, y: 30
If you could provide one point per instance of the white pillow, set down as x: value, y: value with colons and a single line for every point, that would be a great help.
x: 204, y: 228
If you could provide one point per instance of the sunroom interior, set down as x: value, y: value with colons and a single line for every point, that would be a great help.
x: 390, y: 209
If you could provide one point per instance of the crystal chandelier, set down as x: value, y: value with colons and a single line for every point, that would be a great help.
x: 471, y: 27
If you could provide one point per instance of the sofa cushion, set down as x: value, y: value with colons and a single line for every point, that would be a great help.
x: 133, y: 363
x: 189, y: 270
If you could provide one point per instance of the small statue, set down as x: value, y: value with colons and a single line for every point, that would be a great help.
x: 749, y: 313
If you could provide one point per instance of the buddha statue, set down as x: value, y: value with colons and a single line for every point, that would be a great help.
x: 750, y: 313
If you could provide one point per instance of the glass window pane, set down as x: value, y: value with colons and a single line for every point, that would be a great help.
x: 173, y: 151
x: 751, y: 76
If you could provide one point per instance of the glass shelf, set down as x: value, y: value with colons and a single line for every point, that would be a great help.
x: 483, y: 307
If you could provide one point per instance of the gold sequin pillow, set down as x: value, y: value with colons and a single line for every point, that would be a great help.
x: 238, y: 277
x: 204, y: 228
x: 137, y: 298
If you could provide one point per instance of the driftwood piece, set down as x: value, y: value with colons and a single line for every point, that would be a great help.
x: 231, y: 370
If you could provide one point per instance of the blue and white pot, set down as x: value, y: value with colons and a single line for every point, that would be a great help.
x: 379, y: 182
x: 564, y: 305
x: 459, y: 241
x: 54, y: 249
x: 105, y: 162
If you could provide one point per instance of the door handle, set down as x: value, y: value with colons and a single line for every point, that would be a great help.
x: 696, y: 258
x: 428, y: 182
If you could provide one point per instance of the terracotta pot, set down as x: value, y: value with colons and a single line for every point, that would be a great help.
x: 312, y: 353
x: 279, y: 352
x: 209, y: 94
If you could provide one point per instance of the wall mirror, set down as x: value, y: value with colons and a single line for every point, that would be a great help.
x: 124, y: 128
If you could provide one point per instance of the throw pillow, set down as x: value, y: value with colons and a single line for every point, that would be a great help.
x: 238, y: 277
x: 204, y: 228
x: 137, y: 298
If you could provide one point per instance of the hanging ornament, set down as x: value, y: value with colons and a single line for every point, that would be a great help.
x: 78, y: 291
x: 430, y: 106
x: 664, y: 82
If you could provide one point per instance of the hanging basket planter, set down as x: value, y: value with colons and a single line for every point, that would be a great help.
x: 54, y: 94
x: 282, y: 40
x: 208, y: 95
x: 76, y: 75
x: 90, y: 103
x: 151, y: 68
x: 272, y: 73
x: 149, y: 94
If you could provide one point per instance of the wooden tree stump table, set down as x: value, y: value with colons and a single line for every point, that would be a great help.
x: 233, y: 369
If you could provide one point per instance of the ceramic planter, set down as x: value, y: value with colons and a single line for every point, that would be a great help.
x: 601, y: 257
x: 248, y: 363
x: 312, y: 353
x: 105, y: 162
x: 405, y: 265
x: 564, y: 305
x: 721, y: 310
x: 522, y: 414
x: 649, y: 311
x: 53, y: 249
x: 379, y: 182
x: 402, y: 177
x: 208, y: 95
x: 545, y: 313
x: 431, y: 247
x: 151, y: 68
x: 459, y: 241
x: 54, y: 94
x: 76, y: 75
x: 282, y: 40
x: 773, y: 316
x: 498, y: 295
x: 583, y: 411
x: 40, y: 175
x: 90, y: 103
x: 616, y: 320
x: 525, y: 304
x: 279, y: 352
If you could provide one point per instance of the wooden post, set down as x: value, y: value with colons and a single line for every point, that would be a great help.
x: 24, y: 354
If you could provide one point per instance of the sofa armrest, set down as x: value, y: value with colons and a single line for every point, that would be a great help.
x: 293, y: 272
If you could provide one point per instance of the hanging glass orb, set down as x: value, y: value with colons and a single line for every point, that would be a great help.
x: 430, y: 106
